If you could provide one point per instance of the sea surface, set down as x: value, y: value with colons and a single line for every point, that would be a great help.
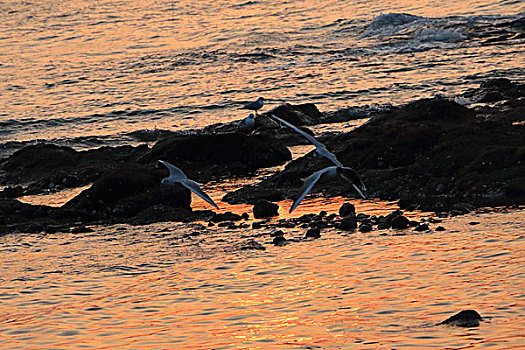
x: 85, y: 73
x: 91, y: 73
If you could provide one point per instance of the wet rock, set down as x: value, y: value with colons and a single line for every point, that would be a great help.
x: 81, y: 229
x: 303, y: 114
x: 265, y: 209
x: 421, y: 227
x: 12, y: 192
x: 413, y: 223
x: 279, y: 241
x: 227, y: 216
x: 250, y: 245
x: 305, y: 218
x: 277, y: 233
x: 257, y: 225
x: 383, y: 226
x: 229, y: 224
x: 440, y: 228
x: 472, y: 223
x: 348, y: 224
x: 365, y: 228
x: 465, y: 318
x: 125, y: 192
x: 432, y: 153
x: 245, y: 216
x: 463, y: 208
x: 207, y: 157
x: 313, y: 233
x: 400, y: 222
x: 347, y: 209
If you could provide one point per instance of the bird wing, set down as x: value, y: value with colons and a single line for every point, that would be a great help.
x: 195, y: 188
x: 175, y: 172
x: 309, y: 183
x: 320, y: 147
x: 357, y: 182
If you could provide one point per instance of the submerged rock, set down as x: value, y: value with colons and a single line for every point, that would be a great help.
x: 465, y: 318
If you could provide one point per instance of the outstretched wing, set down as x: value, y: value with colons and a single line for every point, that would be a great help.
x: 309, y: 183
x: 321, y: 149
x: 195, y: 188
x: 357, y: 182
x: 175, y: 172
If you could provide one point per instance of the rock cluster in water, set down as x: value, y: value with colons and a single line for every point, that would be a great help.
x: 432, y: 154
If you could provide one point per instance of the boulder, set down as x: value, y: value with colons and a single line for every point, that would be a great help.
x: 465, y: 318
x: 265, y: 209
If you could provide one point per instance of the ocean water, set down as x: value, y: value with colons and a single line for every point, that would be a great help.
x: 87, y: 73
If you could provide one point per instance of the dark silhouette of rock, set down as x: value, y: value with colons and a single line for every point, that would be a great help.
x: 265, y: 209
x: 400, y: 222
x: 228, y: 216
x: 432, y: 153
x: 276, y: 233
x: 206, y: 157
x: 250, y: 245
x: 125, y: 192
x: 421, y: 227
x: 279, y: 241
x: 440, y: 228
x: 348, y: 224
x: 313, y: 233
x: 365, y: 228
x: 465, y: 318
x: 347, y: 209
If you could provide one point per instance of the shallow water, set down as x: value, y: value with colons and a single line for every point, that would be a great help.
x: 85, y: 73
x: 156, y: 286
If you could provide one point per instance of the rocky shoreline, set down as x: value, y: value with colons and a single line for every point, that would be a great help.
x: 431, y: 154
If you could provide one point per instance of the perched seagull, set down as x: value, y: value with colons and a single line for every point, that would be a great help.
x: 177, y: 176
x: 255, y: 105
x: 326, y: 175
x: 247, y: 123
x: 320, y: 149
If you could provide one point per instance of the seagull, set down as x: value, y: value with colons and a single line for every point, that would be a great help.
x: 255, y: 105
x: 326, y: 175
x: 247, y: 123
x: 320, y: 149
x: 177, y: 176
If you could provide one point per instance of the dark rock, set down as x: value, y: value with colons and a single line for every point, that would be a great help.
x: 347, y: 209
x: 383, y: 226
x: 313, y: 233
x: 303, y: 114
x: 400, y: 222
x: 245, y: 216
x: 125, y: 192
x: 250, y: 245
x: 279, y: 241
x: 432, y: 152
x: 81, y: 229
x: 12, y: 192
x: 474, y: 223
x: 206, y: 157
x: 348, y: 224
x: 413, y: 223
x: 465, y: 318
x: 228, y: 216
x: 277, y: 233
x: 257, y: 225
x: 463, y: 208
x: 305, y: 218
x: 322, y: 213
x: 422, y: 227
x: 265, y: 209
x: 440, y: 228
x: 434, y: 220
x: 361, y: 217
x: 365, y: 228
x: 331, y: 217
x: 226, y: 224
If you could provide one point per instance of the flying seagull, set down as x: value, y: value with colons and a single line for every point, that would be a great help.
x: 326, y: 175
x: 177, y: 176
x: 320, y: 149
x: 247, y: 123
x: 255, y: 105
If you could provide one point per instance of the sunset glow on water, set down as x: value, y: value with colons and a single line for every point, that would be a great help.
x: 87, y: 74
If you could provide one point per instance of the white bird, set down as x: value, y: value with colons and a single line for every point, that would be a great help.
x: 177, y: 176
x: 320, y: 149
x: 326, y: 175
x: 255, y: 105
x: 247, y: 123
